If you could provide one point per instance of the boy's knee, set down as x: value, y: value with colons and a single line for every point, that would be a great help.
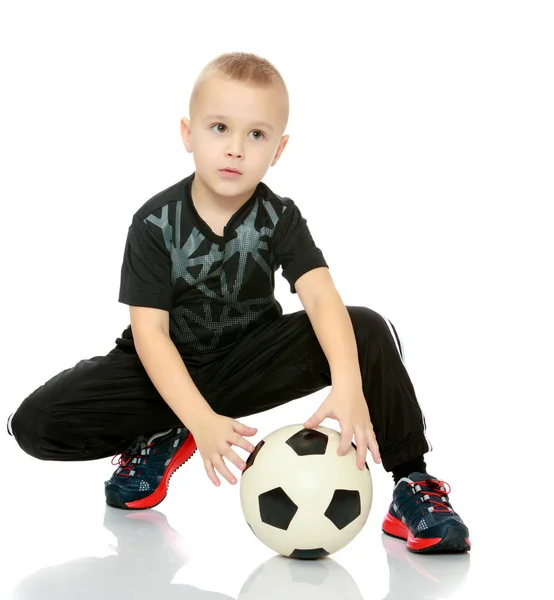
x: 46, y: 437
x: 34, y: 431
x: 366, y: 320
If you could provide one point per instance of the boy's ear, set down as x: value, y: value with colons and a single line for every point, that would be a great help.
x: 280, y: 149
x: 185, y: 133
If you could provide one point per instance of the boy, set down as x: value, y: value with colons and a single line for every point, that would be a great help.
x: 208, y: 342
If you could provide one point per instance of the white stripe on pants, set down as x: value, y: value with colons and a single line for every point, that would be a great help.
x: 400, y: 347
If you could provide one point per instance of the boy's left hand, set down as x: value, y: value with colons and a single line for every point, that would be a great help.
x: 349, y: 407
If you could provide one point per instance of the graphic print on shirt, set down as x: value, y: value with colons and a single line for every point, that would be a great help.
x: 215, y: 278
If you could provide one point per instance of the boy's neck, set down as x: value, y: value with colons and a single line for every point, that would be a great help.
x: 205, y: 199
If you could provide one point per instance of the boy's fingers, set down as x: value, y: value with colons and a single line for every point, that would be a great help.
x: 211, y: 472
x: 244, y: 444
x: 361, y: 448
x: 222, y: 468
x: 235, y: 459
x: 345, y: 441
x: 244, y: 429
x: 316, y: 418
x: 373, y: 446
x: 375, y: 452
x: 362, y: 453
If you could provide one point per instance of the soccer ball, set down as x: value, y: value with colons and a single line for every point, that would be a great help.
x: 302, y: 499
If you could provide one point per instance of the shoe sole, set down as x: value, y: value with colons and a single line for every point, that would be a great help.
x: 454, y: 539
x: 182, y: 455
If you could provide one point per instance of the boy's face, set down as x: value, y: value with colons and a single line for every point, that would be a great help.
x: 237, y: 126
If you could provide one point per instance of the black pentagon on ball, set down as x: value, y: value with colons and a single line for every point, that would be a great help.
x: 309, y: 554
x: 250, y: 460
x: 308, y: 441
x: 344, y: 507
x: 356, y: 448
x: 276, y: 508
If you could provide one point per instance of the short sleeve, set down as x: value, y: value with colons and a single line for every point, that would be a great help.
x: 294, y: 247
x: 146, y: 269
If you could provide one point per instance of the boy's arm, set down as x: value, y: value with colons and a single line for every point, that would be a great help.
x: 170, y: 376
x: 213, y: 434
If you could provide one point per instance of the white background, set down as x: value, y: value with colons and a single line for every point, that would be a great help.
x: 421, y: 154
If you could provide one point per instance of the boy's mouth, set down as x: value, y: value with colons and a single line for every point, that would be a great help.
x: 230, y: 172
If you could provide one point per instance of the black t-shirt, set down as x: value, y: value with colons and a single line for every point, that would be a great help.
x: 216, y: 288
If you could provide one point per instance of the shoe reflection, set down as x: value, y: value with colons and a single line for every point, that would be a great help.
x: 149, y: 554
x: 422, y: 576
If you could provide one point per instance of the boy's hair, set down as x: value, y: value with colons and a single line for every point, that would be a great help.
x: 246, y: 68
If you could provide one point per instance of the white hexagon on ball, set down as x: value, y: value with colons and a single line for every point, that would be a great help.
x: 302, y: 499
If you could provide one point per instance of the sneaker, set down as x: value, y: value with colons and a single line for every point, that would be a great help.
x: 421, y: 514
x: 145, y: 468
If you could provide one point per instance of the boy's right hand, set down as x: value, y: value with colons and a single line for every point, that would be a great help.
x: 214, y: 438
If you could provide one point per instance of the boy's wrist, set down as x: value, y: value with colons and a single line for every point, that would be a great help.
x: 201, y: 414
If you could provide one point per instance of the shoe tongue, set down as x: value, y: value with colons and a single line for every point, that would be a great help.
x: 157, y: 435
x: 416, y: 476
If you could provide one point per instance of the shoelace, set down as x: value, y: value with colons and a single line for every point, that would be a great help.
x: 433, y: 483
x: 127, y: 457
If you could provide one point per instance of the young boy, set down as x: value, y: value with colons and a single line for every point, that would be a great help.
x: 208, y: 342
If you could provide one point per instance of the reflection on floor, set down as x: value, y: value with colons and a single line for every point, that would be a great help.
x: 149, y: 553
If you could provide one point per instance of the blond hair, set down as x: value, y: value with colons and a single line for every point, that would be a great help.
x: 245, y: 68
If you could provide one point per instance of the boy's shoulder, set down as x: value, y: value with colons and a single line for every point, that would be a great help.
x: 279, y: 203
x: 173, y: 193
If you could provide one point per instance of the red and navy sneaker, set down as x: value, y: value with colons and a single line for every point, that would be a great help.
x: 421, y: 514
x: 145, y: 468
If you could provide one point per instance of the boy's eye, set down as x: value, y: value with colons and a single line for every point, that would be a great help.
x: 257, y: 131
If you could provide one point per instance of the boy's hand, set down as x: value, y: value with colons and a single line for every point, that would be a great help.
x: 349, y: 408
x: 214, y: 438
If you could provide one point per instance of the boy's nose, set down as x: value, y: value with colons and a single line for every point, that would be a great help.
x: 234, y: 148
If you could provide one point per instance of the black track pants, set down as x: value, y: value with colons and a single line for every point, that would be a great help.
x: 99, y: 406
